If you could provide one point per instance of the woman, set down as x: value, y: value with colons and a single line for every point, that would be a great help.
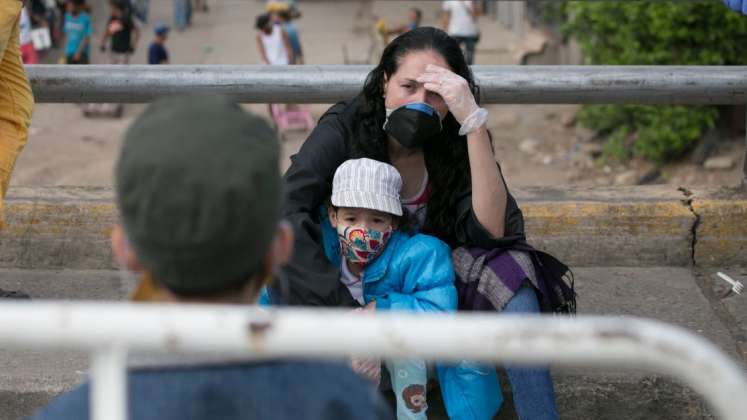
x: 450, y: 180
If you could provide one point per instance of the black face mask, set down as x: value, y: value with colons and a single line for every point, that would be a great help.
x: 413, y: 124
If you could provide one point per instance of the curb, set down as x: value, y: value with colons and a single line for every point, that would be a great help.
x: 69, y: 227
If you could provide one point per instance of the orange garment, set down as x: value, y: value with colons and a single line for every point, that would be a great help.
x: 16, y: 99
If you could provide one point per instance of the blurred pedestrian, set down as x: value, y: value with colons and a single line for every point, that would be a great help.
x: 78, y: 31
x: 414, y: 17
x: 182, y: 14
x: 272, y: 41
x: 157, y: 53
x: 120, y: 37
x: 286, y: 21
x: 459, y: 19
x: 121, y: 34
x: 28, y: 53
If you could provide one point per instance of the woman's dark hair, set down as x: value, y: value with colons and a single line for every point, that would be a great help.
x: 446, y: 156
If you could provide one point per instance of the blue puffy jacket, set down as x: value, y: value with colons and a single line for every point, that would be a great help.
x: 414, y: 273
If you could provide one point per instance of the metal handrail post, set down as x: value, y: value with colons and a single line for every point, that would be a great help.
x: 108, y: 384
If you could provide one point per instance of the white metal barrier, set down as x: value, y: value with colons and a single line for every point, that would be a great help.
x: 108, y: 331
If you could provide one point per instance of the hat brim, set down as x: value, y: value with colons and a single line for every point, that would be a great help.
x: 367, y: 200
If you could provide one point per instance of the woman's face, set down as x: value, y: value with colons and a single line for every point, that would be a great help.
x: 402, y: 87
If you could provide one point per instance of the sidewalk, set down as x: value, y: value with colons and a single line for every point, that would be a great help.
x: 668, y: 294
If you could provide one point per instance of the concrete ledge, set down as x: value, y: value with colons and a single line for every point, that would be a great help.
x: 69, y: 227
x: 722, y: 228
x: 627, y: 226
x: 65, y: 227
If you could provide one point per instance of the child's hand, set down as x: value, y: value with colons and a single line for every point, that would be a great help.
x: 369, y: 368
x: 371, y: 306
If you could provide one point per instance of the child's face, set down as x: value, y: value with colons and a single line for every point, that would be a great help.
x: 362, y: 218
x: 362, y: 233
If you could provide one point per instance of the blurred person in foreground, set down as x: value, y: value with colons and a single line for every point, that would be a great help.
x: 16, y: 103
x: 201, y: 224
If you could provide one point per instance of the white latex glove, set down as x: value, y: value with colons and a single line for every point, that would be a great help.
x: 452, y: 88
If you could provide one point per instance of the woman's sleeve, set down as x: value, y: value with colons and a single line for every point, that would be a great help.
x: 309, y: 278
x: 469, y: 231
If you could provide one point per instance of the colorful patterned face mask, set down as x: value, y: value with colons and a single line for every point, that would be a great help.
x: 359, y: 245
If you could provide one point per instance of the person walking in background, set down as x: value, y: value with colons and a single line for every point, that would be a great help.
x: 272, y: 41
x: 157, y: 53
x: 28, y: 53
x: 121, y: 36
x: 273, y: 44
x: 182, y: 14
x: 78, y: 31
x: 414, y: 17
x: 459, y: 19
x: 286, y: 21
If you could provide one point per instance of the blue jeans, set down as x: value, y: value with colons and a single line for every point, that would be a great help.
x: 182, y: 13
x: 534, y: 396
x: 468, y: 44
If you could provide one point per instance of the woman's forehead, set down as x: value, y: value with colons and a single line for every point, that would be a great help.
x: 413, y: 64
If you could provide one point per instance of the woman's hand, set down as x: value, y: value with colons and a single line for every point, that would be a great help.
x: 453, y: 89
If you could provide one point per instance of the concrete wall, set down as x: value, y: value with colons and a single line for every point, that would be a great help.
x: 69, y: 227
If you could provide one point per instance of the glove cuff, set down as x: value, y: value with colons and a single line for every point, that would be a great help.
x: 473, y: 121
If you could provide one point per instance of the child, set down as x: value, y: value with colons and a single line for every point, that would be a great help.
x: 78, y: 32
x: 386, y: 268
x: 157, y: 53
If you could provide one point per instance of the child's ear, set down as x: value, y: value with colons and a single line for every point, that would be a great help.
x: 332, y: 214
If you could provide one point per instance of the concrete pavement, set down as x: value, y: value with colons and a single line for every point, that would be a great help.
x: 669, y: 294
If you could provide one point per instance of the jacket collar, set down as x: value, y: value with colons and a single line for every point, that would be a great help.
x: 377, y: 269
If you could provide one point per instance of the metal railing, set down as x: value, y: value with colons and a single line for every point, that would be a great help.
x: 713, y: 85
x: 686, y: 85
x: 108, y: 331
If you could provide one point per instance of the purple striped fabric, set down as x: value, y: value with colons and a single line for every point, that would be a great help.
x: 488, y: 279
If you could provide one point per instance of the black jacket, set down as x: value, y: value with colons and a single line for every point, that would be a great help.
x: 310, y: 279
